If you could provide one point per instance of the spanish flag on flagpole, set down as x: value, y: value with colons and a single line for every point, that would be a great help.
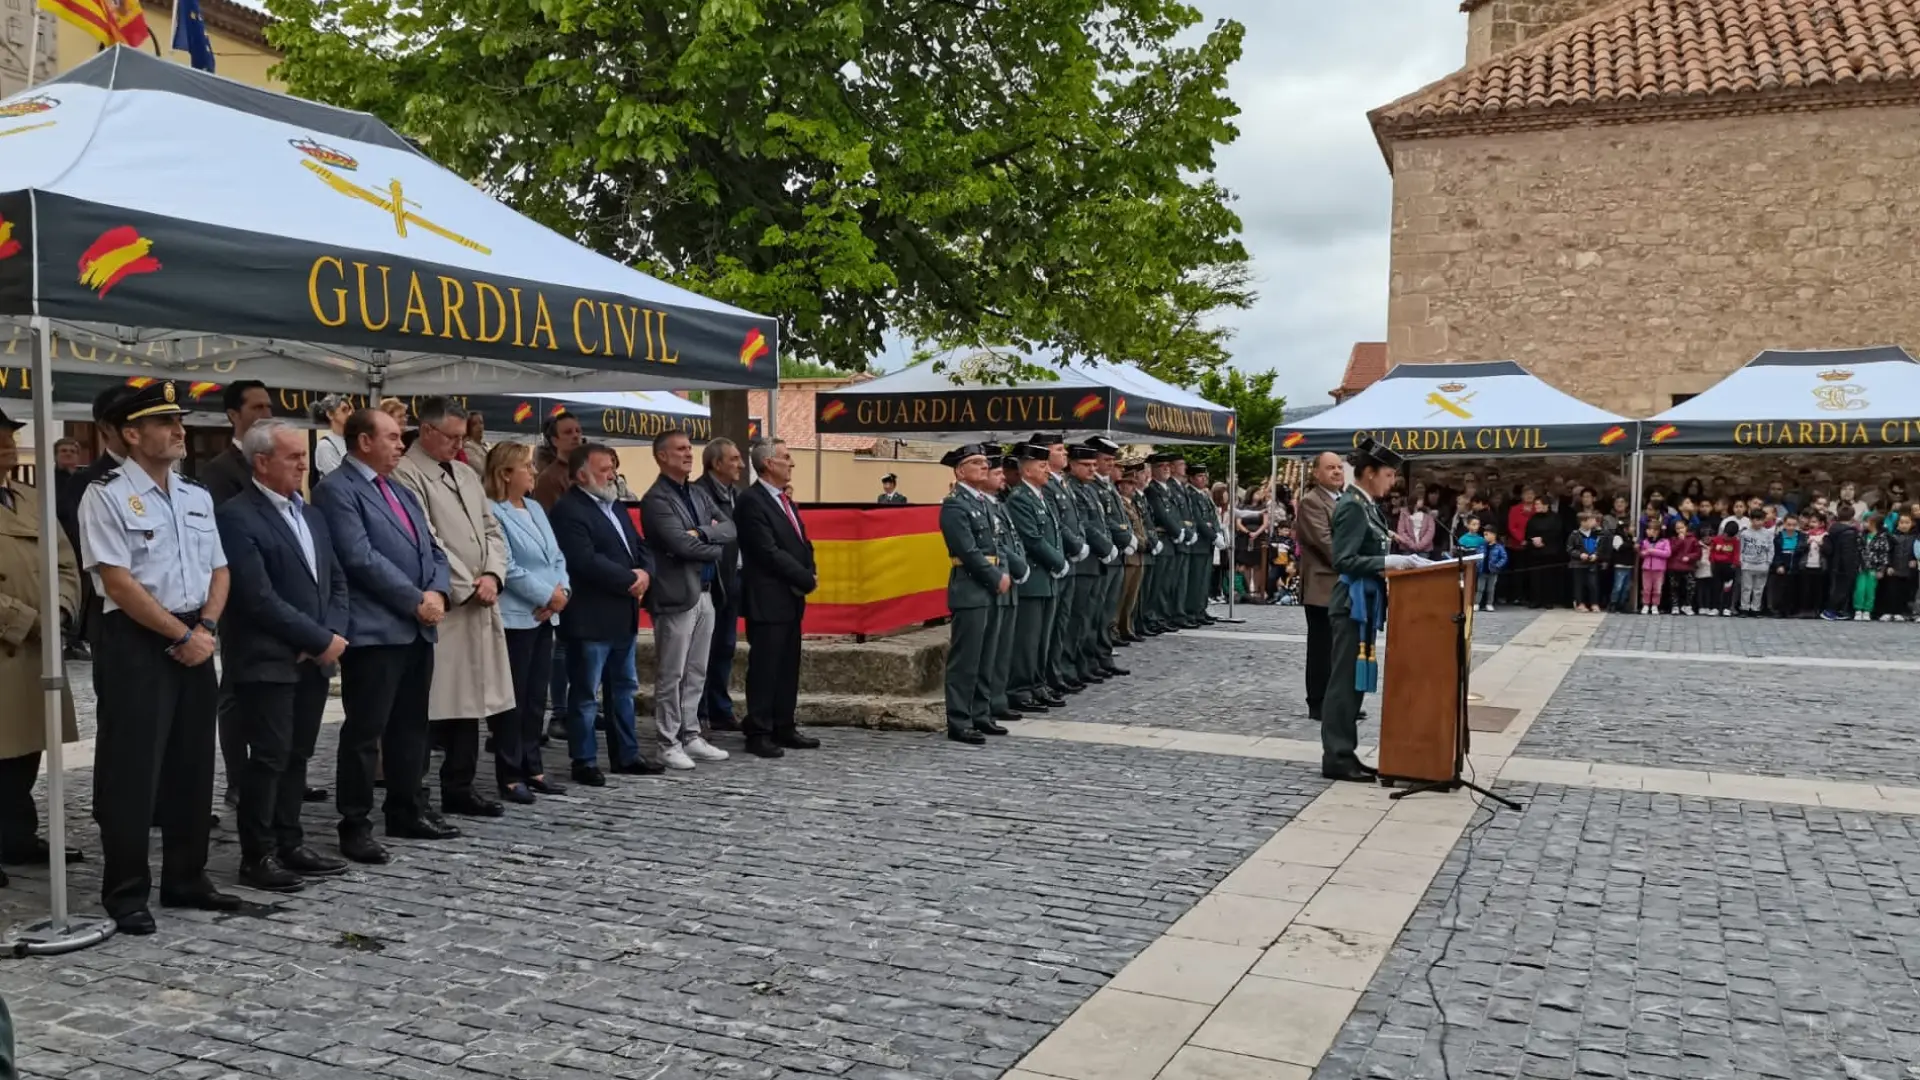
x: 109, y: 22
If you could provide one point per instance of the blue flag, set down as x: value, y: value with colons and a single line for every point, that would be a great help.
x: 190, y: 34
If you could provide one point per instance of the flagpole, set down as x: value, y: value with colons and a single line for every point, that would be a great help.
x: 33, y: 48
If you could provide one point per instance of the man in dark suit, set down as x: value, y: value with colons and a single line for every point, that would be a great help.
x: 776, y: 574
x: 398, y: 581
x: 610, y: 570
x: 721, y: 464
x: 1314, y: 534
x: 285, y: 623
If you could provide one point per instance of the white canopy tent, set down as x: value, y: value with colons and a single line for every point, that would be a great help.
x: 1812, y: 399
x: 156, y: 221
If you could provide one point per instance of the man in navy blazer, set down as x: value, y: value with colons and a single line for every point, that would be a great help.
x: 610, y: 570
x: 397, y: 582
x: 284, y: 621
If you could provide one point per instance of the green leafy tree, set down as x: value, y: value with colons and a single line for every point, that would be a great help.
x: 966, y: 173
x: 1258, y: 410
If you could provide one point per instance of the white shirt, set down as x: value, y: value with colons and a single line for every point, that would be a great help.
x: 165, y: 538
x: 290, y: 510
x: 613, y: 518
x: 329, y: 453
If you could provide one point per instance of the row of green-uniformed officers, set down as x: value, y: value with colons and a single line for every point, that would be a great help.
x: 1059, y: 556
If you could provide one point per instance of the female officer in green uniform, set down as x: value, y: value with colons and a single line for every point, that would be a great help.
x: 1358, y: 609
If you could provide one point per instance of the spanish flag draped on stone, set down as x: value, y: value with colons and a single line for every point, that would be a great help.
x: 109, y: 22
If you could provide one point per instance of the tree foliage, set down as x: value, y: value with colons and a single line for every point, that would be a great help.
x: 963, y: 173
x: 1258, y: 410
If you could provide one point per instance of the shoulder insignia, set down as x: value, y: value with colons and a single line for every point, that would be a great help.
x: 107, y: 477
x: 189, y: 480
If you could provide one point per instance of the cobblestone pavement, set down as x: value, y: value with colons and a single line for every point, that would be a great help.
x: 1489, y: 627
x: 1758, y: 637
x: 885, y: 907
x: 1621, y: 934
x: 1818, y: 723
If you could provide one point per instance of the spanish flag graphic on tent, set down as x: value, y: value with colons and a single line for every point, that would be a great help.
x: 109, y: 22
x: 9, y: 247
x: 753, y: 348
x: 119, y: 254
x: 1087, y: 406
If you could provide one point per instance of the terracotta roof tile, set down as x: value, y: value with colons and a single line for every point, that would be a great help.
x: 1365, y: 366
x: 1659, y: 52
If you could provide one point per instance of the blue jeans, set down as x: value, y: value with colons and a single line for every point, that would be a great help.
x: 1483, y: 592
x: 1622, y: 587
x: 588, y: 662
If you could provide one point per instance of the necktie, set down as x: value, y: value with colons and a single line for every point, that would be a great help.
x: 399, y: 511
x: 447, y: 467
x: 793, y: 518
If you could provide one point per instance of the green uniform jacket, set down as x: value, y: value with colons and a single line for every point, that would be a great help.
x: 1118, y: 526
x: 1206, y: 517
x: 1093, y: 518
x: 1161, y: 512
x: 1039, y: 533
x: 1013, y: 557
x: 1359, y: 545
x: 967, y: 526
x: 1073, y: 535
x: 1142, y: 528
x: 1183, y: 493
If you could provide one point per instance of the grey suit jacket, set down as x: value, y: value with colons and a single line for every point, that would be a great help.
x: 681, y: 544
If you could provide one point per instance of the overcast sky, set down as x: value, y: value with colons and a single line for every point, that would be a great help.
x: 1314, y: 193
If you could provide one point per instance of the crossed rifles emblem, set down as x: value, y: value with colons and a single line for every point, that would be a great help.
x: 1455, y: 405
x: 394, y: 202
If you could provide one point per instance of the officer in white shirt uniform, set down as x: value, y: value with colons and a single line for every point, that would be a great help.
x: 148, y: 538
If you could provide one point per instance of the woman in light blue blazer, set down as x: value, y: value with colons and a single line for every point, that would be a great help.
x: 536, y: 593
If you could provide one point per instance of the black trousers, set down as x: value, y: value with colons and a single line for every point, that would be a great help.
x: 773, y: 678
x: 153, y: 758
x: 383, y: 691
x: 716, y: 701
x: 281, y: 722
x: 1319, y: 656
x: 233, y: 739
x: 19, y: 815
x: 1340, y: 722
x: 459, y: 743
x: 516, y: 734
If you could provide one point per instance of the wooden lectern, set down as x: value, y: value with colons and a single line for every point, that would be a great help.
x: 1423, y: 709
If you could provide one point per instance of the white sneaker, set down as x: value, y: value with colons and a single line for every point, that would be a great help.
x: 701, y: 750
x: 676, y: 758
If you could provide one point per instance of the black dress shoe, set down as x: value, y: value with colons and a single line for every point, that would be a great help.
x: 421, y: 828
x: 518, y: 793
x: 38, y: 855
x: 471, y: 805
x: 1353, y: 773
x: 1008, y: 717
x: 793, y: 740
x: 1116, y: 672
x: 540, y: 785
x: 590, y: 775
x: 138, y: 923
x: 1053, y: 700
x: 314, y: 794
x: 971, y: 738
x: 1022, y: 704
x: 205, y: 898
x: 639, y: 767
x: 989, y: 728
x: 267, y: 873
x: 307, y: 862
x: 765, y: 748
x: 724, y: 723
x: 1092, y: 678
x: 363, y: 848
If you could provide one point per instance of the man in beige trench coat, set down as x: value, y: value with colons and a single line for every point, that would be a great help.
x: 472, y: 676
x: 23, y: 633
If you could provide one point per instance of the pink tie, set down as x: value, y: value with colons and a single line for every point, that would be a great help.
x: 787, y: 505
x: 398, y: 510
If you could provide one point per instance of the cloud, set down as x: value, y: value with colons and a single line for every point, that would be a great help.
x: 1314, y: 194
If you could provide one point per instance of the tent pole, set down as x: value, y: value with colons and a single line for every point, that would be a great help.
x: 819, y: 461
x: 1639, y: 465
x: 33, y: 47
x: 57, y: 934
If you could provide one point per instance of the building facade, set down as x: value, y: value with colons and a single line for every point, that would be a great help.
x: 1633, y: 198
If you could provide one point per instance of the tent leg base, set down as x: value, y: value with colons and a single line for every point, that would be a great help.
x: 47, y: 938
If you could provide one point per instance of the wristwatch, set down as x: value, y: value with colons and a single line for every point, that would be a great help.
x: 212, y: 626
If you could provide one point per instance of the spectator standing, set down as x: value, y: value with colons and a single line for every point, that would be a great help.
x: 1875, y: 554
x: 1520, y: 560
x: 1723, y: 552
x: 1315, y: 539
x: 776, y: 575
x: 721, y: 465
x: 472, y: 676
x: 610, y: 571
x: 1546, y: 544
x: 68, y: 487
x: 1901, y: 568
x: 330, y: 450
x: 24, y: 631
x: 1583, y: 562
x: 1810, y: 584
x: 553, y: 475
x: 396, y: 598
x: 1789, y: 556
x: 1843, y: 552
x: 1703, y: 600
x: 537, y: 592
x: 688, y: 537
x: 285, y: 635
x: 1414, y: 529
x: 1654, y: 552
x: 1756, y: 558
x: 1684, y: 556
x: 1623, y: 558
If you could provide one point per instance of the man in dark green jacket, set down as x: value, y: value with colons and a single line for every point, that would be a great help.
x: 1120, y: 531
x: 1063, y: 658
x: 974, y: 587
x: 1039, y: 532
x: 1088, y: 573
x: 1206, y: 519
x: 1358, y: 608
x: 1164, y: 515
x: 1013, y: 559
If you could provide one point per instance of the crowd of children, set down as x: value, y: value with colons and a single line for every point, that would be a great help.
x: 1773, y: 555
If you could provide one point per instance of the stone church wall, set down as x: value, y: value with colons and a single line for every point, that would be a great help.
x: 1632, y: 263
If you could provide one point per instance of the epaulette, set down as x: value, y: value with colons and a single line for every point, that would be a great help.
x: 106, y: 477
x: 189, y: 480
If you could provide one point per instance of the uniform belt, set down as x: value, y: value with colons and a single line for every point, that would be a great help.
x: 1186, y: 523
x: 991, y: 559
x: 187, y: 618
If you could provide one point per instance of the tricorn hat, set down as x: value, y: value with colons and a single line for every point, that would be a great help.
x: 1369, y: 451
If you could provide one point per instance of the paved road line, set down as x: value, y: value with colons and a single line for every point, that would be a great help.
x: 1258, y: 977
x: 1768, y: 661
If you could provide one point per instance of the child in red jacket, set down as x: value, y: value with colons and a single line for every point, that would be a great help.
x: 1685, y: 555
x: 1723, y: 551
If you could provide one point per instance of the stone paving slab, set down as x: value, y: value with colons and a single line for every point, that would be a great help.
x: 1624, y: 934
x: 1816, y: 723
x: 1489, y: 627
x: 886, y: 907
x: 1713, y: 635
